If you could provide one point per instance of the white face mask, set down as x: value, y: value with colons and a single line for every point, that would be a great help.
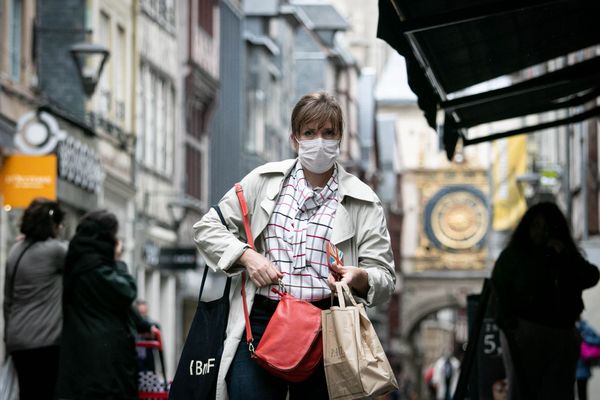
x: 318, y: 155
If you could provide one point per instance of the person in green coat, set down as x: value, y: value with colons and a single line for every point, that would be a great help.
x: 97, y: 354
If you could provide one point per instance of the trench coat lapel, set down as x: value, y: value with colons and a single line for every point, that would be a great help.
x: 343, y: 227
x: 267, y: 205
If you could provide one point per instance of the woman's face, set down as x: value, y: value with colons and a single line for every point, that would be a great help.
x: 314, y: 130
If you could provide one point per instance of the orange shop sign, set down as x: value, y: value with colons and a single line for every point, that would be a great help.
x: 23, y: 178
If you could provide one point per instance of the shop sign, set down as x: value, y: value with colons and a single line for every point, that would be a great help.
x: 177, y: 258
x: 23, y: 178
x: 80, y: 165
x: 151, y: 254
x: 38, y: 133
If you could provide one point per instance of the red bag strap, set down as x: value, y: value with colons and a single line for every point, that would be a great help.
x: 244, y: 206
x: 240, y: 194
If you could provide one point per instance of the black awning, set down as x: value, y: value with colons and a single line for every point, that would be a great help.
x: 452, y: 45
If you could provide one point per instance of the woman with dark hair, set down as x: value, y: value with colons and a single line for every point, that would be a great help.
x: 32, y: 299
x: 97, y: 355
x: 539, y: 279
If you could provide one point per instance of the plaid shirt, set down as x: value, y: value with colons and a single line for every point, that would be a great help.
x: 297, y: 234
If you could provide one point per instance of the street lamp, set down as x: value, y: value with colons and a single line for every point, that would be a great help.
x: 89, y: 59
x: 529, y: 184
x: 542, y: 185
x: 178, y: 209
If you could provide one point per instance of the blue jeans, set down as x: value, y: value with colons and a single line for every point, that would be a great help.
x: 249, y: 381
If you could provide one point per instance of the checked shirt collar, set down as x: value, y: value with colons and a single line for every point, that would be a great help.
x: 297, y: 234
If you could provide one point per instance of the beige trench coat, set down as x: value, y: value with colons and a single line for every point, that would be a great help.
x: 359, y: 230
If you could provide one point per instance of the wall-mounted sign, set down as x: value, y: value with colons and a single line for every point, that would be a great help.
x: 80, y: 165
x: 38, y: 133
x: 23, y: 178
x: 151, y: 254
x: 177, y: 258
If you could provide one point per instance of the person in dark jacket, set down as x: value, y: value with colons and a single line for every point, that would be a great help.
x: 97, y: 356
x: 32, y: 299
x: 539, y: 278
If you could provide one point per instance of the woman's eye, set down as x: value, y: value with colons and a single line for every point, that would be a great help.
x: 307, y: 134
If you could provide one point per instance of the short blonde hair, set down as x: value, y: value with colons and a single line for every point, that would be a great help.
x: 320, y: 107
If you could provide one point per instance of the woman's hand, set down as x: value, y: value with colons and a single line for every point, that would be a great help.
x: 118, y: 249
x: 356, y: 278
x: 261, y: 271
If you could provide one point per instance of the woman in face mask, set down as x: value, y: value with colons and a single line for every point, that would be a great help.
x: 297, y: 207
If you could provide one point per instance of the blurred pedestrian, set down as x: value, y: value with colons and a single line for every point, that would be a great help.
x: 445, y: 376
x: 584, y: 372
x: 142, y: 308
x: 539, y: 278
x: 428, y: 378
x: 297, y: 207
x: 98, y: 357
x: 145, y: 355
x: 32, y: 299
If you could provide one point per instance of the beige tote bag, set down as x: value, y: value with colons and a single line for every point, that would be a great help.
x: 355, y: 363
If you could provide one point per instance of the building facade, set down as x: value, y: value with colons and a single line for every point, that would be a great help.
x: 157, y: 116
x: 229, y: 118
x: 44, y: 111
x: 269, y: 87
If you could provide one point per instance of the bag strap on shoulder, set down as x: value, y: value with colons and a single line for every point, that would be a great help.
x: 12, y: 283
x: 206, y: 267
x: 245, y: 215
x: 14, y: 275
x: 239, y: 191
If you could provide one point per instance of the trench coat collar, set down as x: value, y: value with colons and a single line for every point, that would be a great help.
x: 348, y: 184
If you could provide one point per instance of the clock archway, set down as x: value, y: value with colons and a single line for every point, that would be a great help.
x: 457, y: 218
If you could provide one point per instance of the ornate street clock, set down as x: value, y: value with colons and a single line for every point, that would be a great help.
x: 457, y: 218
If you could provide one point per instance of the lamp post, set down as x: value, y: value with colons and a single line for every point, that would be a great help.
x: 90, y: 59
x: 528, y: 184
x: 178, y: 209
x: 542, y: 185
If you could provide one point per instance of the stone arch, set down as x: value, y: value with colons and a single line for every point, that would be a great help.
x: 425, y: 308
x: 421, y: 297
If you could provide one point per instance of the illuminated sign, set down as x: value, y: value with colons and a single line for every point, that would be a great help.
x: 23, y: 178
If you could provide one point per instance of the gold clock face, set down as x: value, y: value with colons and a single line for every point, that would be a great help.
x: 457, y: 219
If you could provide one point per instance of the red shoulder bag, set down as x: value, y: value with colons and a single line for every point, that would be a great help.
x: 291, y: 347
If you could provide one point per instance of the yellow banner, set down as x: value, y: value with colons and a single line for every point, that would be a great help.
x: 509, y: 160
x: 23, y: 178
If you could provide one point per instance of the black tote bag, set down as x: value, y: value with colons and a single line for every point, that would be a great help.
x: 198, y: 368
